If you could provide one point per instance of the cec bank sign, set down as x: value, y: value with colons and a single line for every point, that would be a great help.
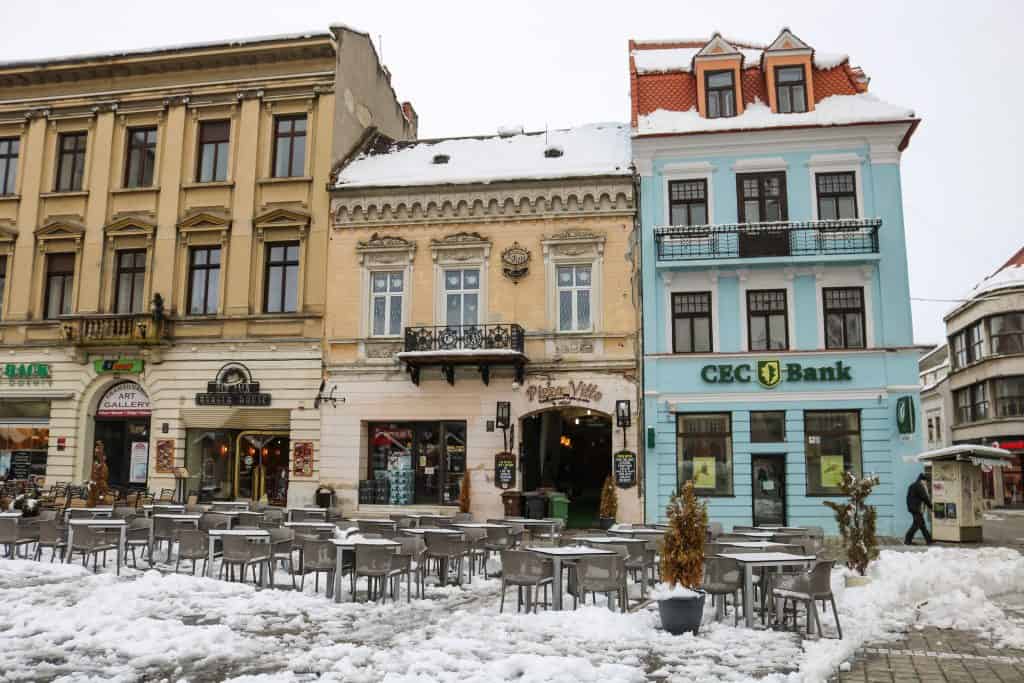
x: 770, y: 373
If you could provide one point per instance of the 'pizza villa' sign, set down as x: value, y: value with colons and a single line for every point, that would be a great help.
x: 562, y: 394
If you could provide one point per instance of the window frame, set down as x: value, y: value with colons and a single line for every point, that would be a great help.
x: 974, y: 339
x: 574, y: 289
x: 1014, y: 399
x: 77, y: 160
x: 767, y: 316
x: 730, y: 455
x: 146, y: 163
x: 9, y: 165
x: 64, y: 276
x: 206, y: 268
x: 718, y: 91
x: 387, y: 295
x: 134, y: 271
x: 835, y: 196
x: 293, y: 137
x: 858, y: 467
x: 687, y: 203
x: 779, y: 86
x: 691, y: 317
x: 760, y: 177
x: 995, y: 338
x: 461, y: 293
x: 284, y: 263
x: 4, y: 259
x: 774, y: 413
x: 201, y: 142
x: 844, y: 311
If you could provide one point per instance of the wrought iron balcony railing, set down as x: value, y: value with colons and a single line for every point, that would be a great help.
x: 114, y: 329
x: 464, y: 337
x: 757, y: 240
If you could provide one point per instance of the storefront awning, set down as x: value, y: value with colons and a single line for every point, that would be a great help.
x: 977, y: 455
x: 237, y: 418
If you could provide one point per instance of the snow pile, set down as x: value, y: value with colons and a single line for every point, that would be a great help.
x: 836, y: 110
x: 1010, y: 275
x: 589, y: 150
x: 663, y: 591
x: 680, y: 59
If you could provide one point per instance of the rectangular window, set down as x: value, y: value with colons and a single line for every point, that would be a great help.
x: 281, y: 282
x: 1009, y: 396
x: 844, y: 317
x: 1007, y: 333
x: 837, y: 196
x: 768, y: 426
x: 8, y: 164
x: 962, y: 405
x: 691, y: 322
x: 688, y: 202
x: 720, y: 93
x: 414, y: 463
x: 767, y: 322
x: 833, y: 447
x: 140, y: 160
x: 204, y: 280
x: 979, y: 401
x: 762, y: 197
x: 131, y: 280
x: 704, y: 452
x: 70, y: 161
x: 60, y: 283
x: 975, y: 343
x: 387, y: 289
x: 212, y: 165
x: 790, y: 89
x: 3, y: 283
x: 958, y: 344
x: 931, y: 431
x: 574, y: 287
x: 462, y: 296
x: 938, y: 428
x: 289, y: 146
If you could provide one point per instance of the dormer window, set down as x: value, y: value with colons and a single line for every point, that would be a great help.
x: 720, y: 91
x: 790, y: 89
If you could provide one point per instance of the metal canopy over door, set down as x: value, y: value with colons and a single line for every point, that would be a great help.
x: 768, y: 481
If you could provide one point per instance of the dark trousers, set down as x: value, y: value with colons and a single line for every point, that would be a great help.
x: 918, y: 525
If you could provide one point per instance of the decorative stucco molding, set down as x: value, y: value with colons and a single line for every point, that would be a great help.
x: 385, y: 250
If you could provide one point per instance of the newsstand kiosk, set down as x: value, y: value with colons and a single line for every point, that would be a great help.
x: 957, y: 503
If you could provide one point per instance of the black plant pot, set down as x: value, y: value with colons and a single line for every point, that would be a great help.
x: 605, y: 523
x: 679, y: 615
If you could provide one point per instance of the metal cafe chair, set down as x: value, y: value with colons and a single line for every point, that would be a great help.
x: 812, y: 586
x: 523, y: 569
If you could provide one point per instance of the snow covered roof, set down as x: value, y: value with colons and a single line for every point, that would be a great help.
x: 978, y: 455
x: 665, y: 60
x: 1010, y: 274
x: 590, y: 150
x: 836, y: 110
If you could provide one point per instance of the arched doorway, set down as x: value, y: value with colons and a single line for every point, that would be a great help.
x: 568, y: 449
x: 122, y: 424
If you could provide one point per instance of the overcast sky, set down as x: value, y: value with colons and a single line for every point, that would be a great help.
x: 470, y: 67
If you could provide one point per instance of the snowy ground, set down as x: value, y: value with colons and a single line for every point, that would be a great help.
x: 64, y: 623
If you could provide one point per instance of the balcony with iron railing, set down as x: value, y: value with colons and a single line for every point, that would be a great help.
x: 129, y: 329
x: 832, y: 239
x: 449, y: 346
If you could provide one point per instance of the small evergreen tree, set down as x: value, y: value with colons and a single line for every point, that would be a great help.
x: 857, y: 521
x: 682, y: 557
x: 609, y: 499
x: 464, y: 492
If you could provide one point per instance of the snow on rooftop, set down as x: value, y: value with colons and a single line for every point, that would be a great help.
x: 1009, y: 275
x: 589, y: 150
x: 836, y: 110
x: 664, y: 60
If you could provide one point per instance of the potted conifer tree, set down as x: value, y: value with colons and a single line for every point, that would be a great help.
x: 609, y: 504
x: 856, y: 521
x: 680, y: 597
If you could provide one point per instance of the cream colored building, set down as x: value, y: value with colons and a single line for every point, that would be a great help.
x: 196, y: 176
x: 466, y: 272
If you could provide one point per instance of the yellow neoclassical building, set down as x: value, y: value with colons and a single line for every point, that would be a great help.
x: 481, y: 318
x: 164, y: 223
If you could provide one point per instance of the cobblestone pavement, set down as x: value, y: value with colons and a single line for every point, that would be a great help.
x: 932, y: 655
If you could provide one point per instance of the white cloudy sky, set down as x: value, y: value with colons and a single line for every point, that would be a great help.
x: 472, y: 66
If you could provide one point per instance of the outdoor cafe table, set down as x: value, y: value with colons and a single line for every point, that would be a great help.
x: 557, y: 555
x: 98, y: 511
x: 349, y: 545
x: 777, y: 529
x: 424, y: 532
x: 191, y: 517
x: 169, y: 508
x: 311, y: 525
x: 262, y: 534
x: 751, y: 561
x: 236, y: 505
x: 119, y: 524
x: 763, y: 535
x: 15, y: 513
x: 763, y: 545
x: 322, y: 512
x: 546, y: 524
x: 418, y: 517
x: 478, y: 525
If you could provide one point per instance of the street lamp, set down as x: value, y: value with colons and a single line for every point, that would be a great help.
x: 503, y: 419
x: 623, y: 417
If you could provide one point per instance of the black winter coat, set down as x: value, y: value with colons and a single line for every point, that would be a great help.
x: 916, y: 495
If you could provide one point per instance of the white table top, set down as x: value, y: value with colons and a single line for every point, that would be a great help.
x: 478, y: 525
x: 752, y: 544
x: 771, y: 558
x: 228, y: 503
x: 527, y: 520
x: 349, y: 544
x: 239, y: 532
x: 752, y: 534
x: 180, y: 516
x: 431, y: 531
x: 307, y: 509
x: 97, y: 522
x: 570, y: 551
x: 16, y: 513
x: 310, y: 525
x: 98, y: 508
x: 772, y: 527
x: 607, y: 539
x: 422, y: 515
x: 224, y: 513
x: 377, y: 520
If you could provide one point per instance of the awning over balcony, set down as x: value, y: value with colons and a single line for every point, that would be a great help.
x: 450, y: 346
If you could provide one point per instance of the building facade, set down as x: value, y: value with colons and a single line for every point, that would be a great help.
x: 470, y: 273
x: 163, y: 237
x: 772, y: 225
x: 984, y: 392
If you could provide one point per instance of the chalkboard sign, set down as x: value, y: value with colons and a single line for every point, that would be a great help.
x: 28, y: 463
x: 504, y: 470
x: 625, y: 469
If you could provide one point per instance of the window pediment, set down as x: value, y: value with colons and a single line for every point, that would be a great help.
x: 131, y: 225
x: 8, y: 233
x: 718, y: 47
x: 574, y: 243
x: 293, y: 221
x: 209, y: 221
x: 787, y: 42
x: 385, y: 250
x: 461, y: 246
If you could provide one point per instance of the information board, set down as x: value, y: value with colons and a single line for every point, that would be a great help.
x: 625, y: 469
x: 504, y: 470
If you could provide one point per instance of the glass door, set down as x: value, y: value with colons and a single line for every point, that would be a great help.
x: 261, y: 467
x: 454, y: 461
x: 428, y: 463
x: 769, y: 494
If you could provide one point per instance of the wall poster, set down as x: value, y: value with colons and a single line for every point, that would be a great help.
x: 832, y: 471
x: 302, y: 459
x: 165, y: 456
x: 704, y: 473
x: 139, y: 462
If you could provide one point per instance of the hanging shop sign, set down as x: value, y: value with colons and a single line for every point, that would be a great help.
x: 564, y: 394
x: 504, y: 470
x: 125, y: 399
x: 515, y: 262
x: 27, y: 373
x: 107, y: 366
x: 906, y: 421
x: 302, y: 459
x: 233, y: 386
x: 770, y: 373
x: 625, y: 469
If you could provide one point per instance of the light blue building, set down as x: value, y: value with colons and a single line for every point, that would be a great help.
x: 777, y: 340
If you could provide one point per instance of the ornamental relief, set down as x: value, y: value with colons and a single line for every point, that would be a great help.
x: 382, y: 349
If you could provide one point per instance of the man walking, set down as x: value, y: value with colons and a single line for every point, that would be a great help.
x: 917, y: 493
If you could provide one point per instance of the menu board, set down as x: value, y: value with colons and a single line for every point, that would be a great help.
x: 625, y: 469
x: 21, y: 463
x: 504, y: 470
